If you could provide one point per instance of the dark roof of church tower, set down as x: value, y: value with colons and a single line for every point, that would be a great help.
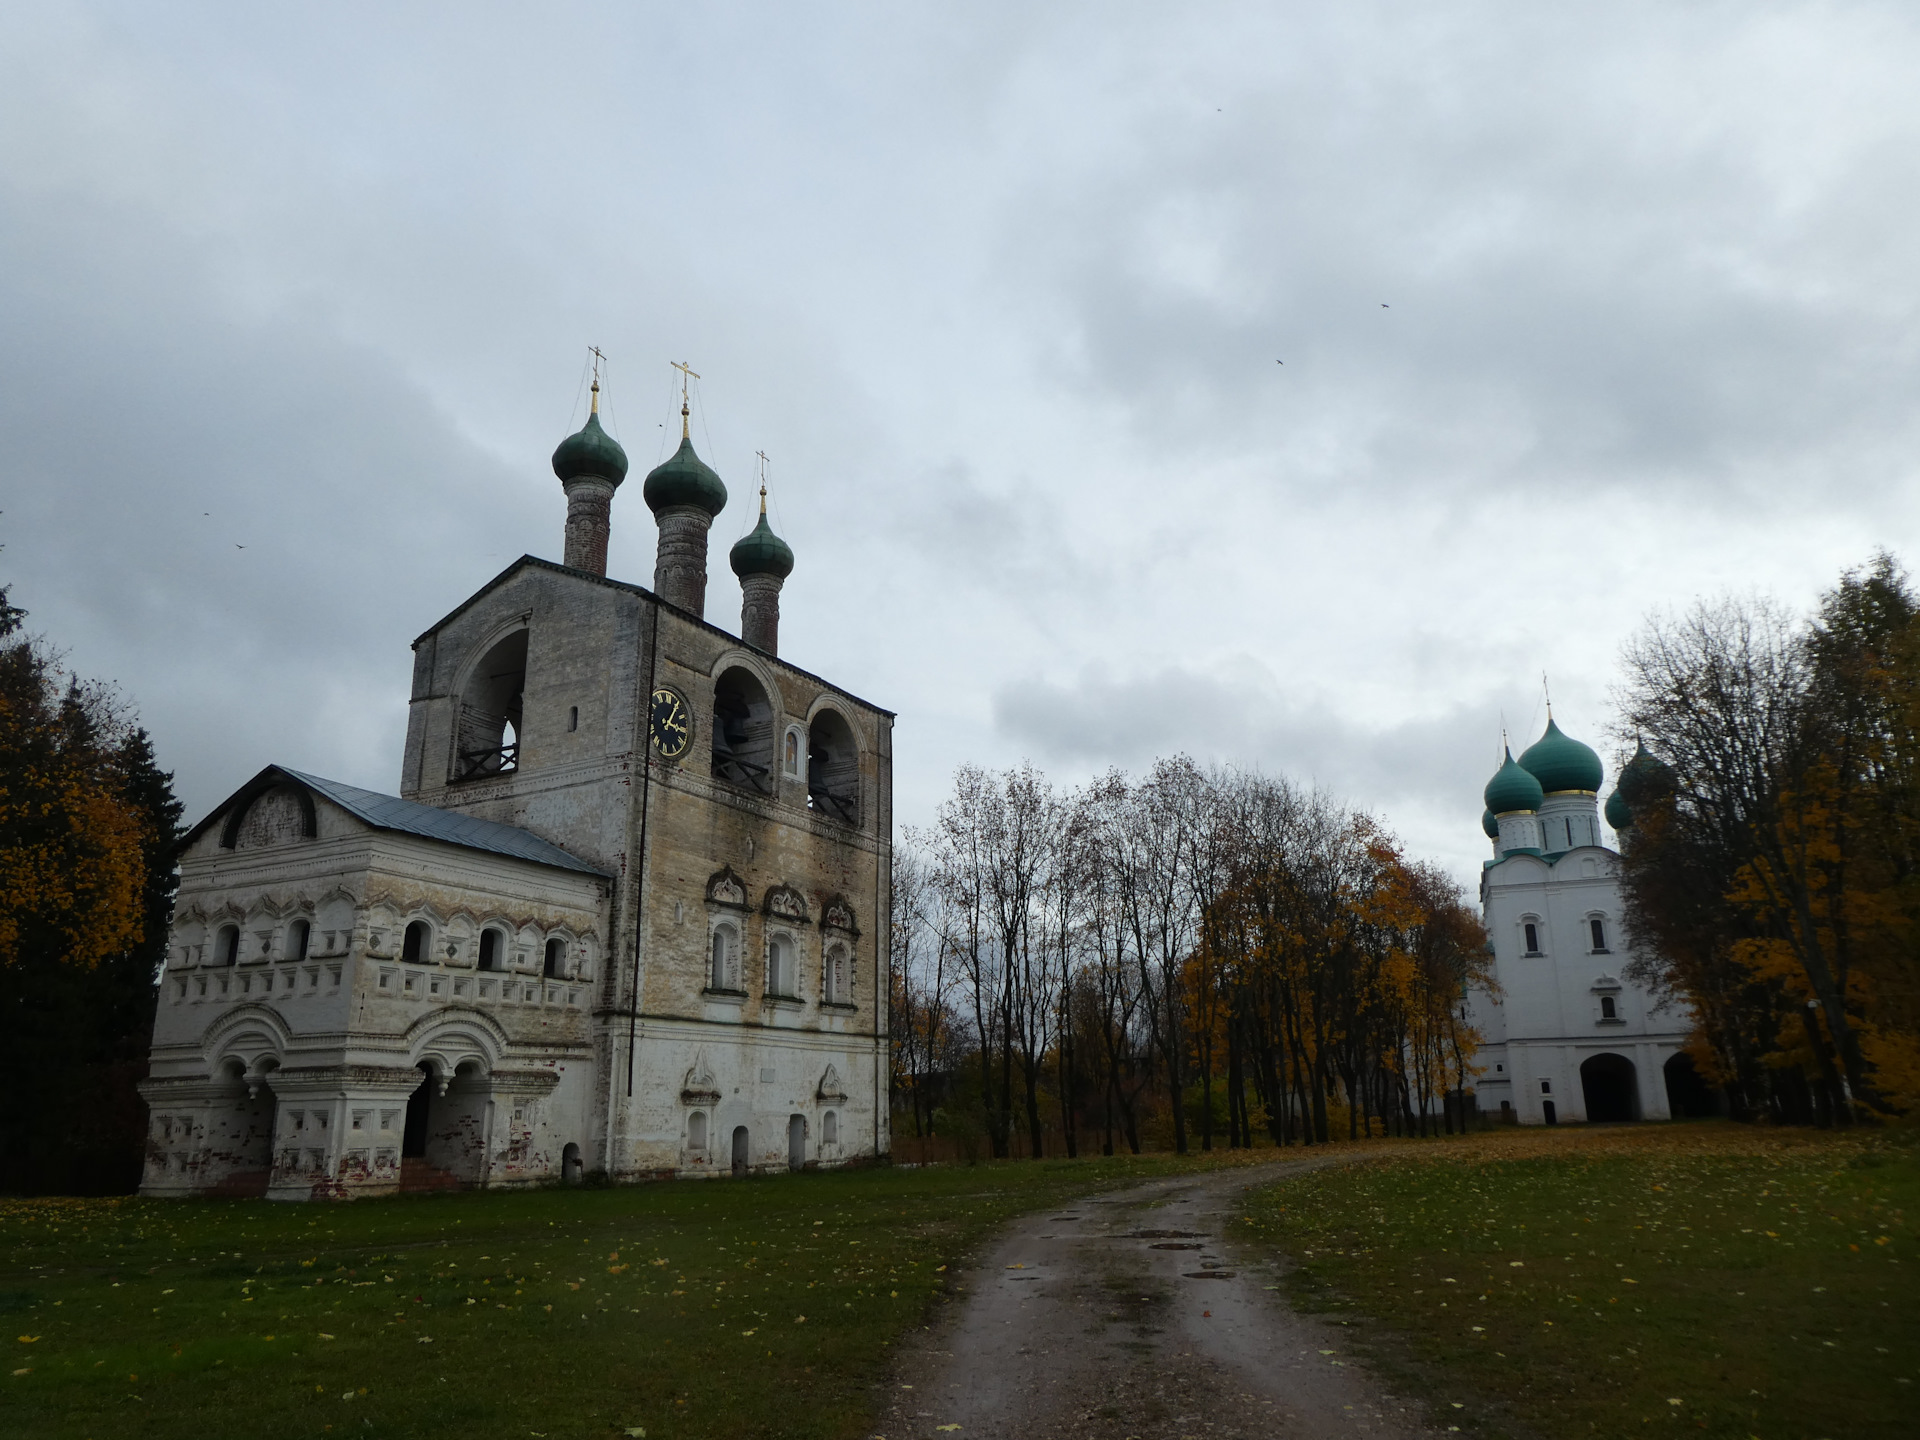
x: 760, y: 551
x: 685, y: 479
x: 590, y: 451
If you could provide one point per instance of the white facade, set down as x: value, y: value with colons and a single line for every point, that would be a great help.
x: 1566, y: 1036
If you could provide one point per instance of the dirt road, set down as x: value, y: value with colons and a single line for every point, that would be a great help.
x: 1130, y: 1317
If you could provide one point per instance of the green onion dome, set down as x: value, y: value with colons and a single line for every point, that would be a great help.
x: 1511, y: 789
x: 685, y: 479
x: 760, y: 551
x: 1643, y: 780
x: 590, y: 451
x: 1489, y: 824
x: 1559, y: 762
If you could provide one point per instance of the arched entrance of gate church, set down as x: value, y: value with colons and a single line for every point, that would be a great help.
x: 1689, y: 1097
x: 1610, y: 1088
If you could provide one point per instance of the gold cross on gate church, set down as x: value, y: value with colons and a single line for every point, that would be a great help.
x: 627, y: 912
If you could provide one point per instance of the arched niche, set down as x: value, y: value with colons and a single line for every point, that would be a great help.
x: 271, y: 812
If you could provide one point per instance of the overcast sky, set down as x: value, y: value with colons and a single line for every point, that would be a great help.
x: 1585, y: 310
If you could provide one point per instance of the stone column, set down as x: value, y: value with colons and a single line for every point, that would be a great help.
x: 589, y: 519
x: 680, y: 566
x: 760, y: 612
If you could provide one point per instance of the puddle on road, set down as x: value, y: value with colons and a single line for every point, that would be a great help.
x: 1165, y: 1235
x: 1175, y: 1245
x: 1207, y: 1275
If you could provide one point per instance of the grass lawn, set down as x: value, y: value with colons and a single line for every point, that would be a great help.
x: 1631, y: 1281
x: 715, y: 1308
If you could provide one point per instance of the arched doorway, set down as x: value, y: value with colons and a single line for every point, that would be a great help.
x: 570, y: 1167
x: 739, y: 1149
x: 413, y: 1140
x: 1611, y: 1089
x: 1689, y: 1097
x: 796, y: 1142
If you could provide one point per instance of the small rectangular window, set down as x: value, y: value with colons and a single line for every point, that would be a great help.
x: 573, y: 717
x: 1546, y: 1087
x: 1599, y: 929
x: 1533, y: 938
x: 1607, y: 1011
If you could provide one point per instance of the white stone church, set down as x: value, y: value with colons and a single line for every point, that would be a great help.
x: 627, y: 914
x: 1567, y: 1037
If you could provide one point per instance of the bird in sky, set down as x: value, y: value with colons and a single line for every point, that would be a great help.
x: 239, y: 547
x: 1385, y: 306
x: 1279, y: 362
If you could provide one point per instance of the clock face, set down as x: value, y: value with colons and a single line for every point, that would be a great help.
x: 672, y: 726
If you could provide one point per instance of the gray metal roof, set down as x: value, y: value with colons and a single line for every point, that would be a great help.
x: 390, y: 812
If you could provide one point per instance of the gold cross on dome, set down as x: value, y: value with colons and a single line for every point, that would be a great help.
x: 687, y: 372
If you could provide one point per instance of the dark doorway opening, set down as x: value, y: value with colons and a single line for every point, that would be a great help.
x: 796, y: 1142
x: 1689, y: 1097
x: 413, y: 1140
x: 570, y: 1168
x: 1552, y: 1115
x: 1610, y: 1088
x: 739, y: 1149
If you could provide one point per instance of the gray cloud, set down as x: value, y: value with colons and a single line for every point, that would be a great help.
x: 1001, y: 292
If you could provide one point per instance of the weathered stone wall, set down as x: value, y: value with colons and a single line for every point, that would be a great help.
x: 587, y: 636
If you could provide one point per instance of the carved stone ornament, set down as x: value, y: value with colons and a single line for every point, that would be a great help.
x: 830, y: 1088
x: 785, y: 902
x: 700, y: 1088
x: 727, y: 888
x: 839, y: 916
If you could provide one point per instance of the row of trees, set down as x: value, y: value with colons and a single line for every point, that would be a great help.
x: 88, y: 829
x: 1773, y: 866
x: 1213, y: 948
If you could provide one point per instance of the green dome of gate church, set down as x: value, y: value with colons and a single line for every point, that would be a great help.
x: 1511, y: 789
x: 1560, y: 762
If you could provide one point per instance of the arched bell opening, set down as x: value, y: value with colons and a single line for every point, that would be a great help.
x: 1610, y: 1088
x: 489, y: 726
x: 833, y: 768
x: 742, y: 732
